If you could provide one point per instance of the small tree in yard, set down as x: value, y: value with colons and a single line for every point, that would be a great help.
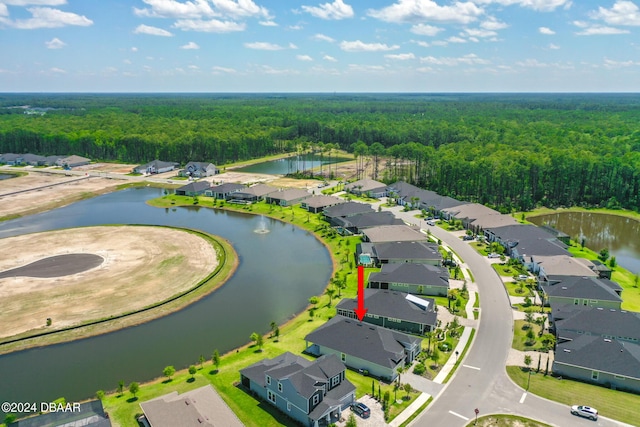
x: 313, y: 301
x: 435, y: 356
x: 192, y: 370
x: 201, y: 360
x: 531, y: 337
x: 120, y: 387
x: 168, y: 371
x: 215, y: 359
x: 276, y: 333
x: 528, y: 317
x: 385, y: 399
x: 612, y: 262
x: 604, y: 255
x: 351, y: 421
x: 134, y: 388
x: 331, y: 292
x: 407, y: 389
x: 100, y: 394
x: 527, y: 360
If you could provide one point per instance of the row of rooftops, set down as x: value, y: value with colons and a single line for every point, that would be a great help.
x: 37, y: 160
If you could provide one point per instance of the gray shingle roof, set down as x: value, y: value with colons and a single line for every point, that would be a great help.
x: 288, y: 194
x: 158, y: 164
x: 601, y: 322
x: 302, y: 373
x: 529, y: 239
x: 407, y: 250
x: 195, y: 186
x: 582, y: 287
x: 411, y: 273
x: 258, y: 190
x: 370, y: 219
x: 563, y: 265
x: 596, y: 353
x: 368, y: 342
x: 228, y: 187
x: 364, y: 185
x: 393, y: 233
x: 321, y: 201
x: 347, y: 209
x: 393, y: 304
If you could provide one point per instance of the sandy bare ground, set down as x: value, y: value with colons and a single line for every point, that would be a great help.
x: 37, y: 200
x: 142, y: 265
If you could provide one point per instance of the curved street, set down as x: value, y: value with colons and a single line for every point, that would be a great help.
x: 481, y: 380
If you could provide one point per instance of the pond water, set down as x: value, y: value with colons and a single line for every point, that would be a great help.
x: 6, y: 176
x: 278, y: 272
x: 291, y: 164
x: 621, y: 235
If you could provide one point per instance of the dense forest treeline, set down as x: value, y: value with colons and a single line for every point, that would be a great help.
x: 510, y: 151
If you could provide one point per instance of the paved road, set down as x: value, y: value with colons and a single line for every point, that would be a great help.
x: 481, y: 382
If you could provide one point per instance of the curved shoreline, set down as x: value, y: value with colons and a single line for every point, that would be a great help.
x: 227, y: 264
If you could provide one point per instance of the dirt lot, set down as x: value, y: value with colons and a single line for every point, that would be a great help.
x: 142, y: 265
x: 68, y: 189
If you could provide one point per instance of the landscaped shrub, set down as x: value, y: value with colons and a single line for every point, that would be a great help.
x: 419, y: 369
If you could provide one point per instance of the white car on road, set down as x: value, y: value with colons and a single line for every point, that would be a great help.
x: 585, y: 411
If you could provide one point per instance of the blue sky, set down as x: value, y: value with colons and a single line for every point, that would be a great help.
x: 319, y: 46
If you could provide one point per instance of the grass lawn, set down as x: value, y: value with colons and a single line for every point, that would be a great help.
x: 251, y: 411
x: 520, y: 340
x: 506, y: 421
x: 614, y: 404
x: 354, y: 197
x: 517, y: 289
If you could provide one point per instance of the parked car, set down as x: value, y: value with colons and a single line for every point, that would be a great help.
x: 468, y: 237
x: 361, y: 409
x: 431, y: 222
x: 449, y: 263
x: 522, y: 277
x: 585, y: 411
x: 494, y: 255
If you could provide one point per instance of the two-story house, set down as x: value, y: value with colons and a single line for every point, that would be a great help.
x: 312, y: 393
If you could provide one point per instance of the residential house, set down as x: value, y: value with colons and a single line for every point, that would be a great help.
x: 12, y: 159
x: 33, y: 159
x: 399, y: 253
x: 367, y: 187
x: 196, y: 188
x: 251, y: 194
x: 312, y: 393
x: 420, y: 279
x: 224, y: 191
x: 601, y: 269
x: 521, y: 240
x: 474, y: 212
x: 375, y: 350
x: 199, y: 169
x: 52, y: 160
x: 560, y: 235
x: 86, y: 414
x: 201, y: 407
x: 392, y: 233
x: 355, y: 224
x: 581, y: 290
x: 394, y: 310
x: 345, y: 210
x: 72, y: 161
x: 154, y: 167
x: 478, y: 225
x: 316, y: 204
x: 287, y: 196
x: 568, y: 321
x: 559, y: 265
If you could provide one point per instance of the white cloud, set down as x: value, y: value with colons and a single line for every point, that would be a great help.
x: 493, y: 24
x: 479, y: 32
x: 263, y: 46
x: 428, y: 10
x: 425, y: 69
x: 329, y: 58
x: 596, y: 29
x: 292, y: 46
x: 425, y: 30
x: 3, y: 10
x: 439, y: 43
x: 198, y: 9
x: 218, y: 70
x: 34, y: 2
x: 401, y: 56
x: 336, y: 10
x: 358, y: 46
x: 268, y: 23
x: 57, y: 70
x: 267, y: 69
x: 323, y: 38
x: 193, y: 67
x: 295, y: 27
x: 127, y: 61
x: 420, y: 43
x: 469, y: 59
x: 209, y: 26
x: 611, y: 64
x: 539, y: 5
x: 623, y: 12
x: 46, y: 17
x: 532, y: 63
x: 553, y: 46
x: 190, y: 46
x: 455, y: 39
x: 306, y: 58
x: 134, y: 49
x: 55, y: 43
x: 366, y: 68
x: 152, y: 31
x: 546, y: 30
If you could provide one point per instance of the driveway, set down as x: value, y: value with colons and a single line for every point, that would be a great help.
x: 375, y: 420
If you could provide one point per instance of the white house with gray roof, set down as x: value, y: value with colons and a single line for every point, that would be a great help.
x: 559, y: 265
x: 521, y: 240
x: 392, y: 233
x: 581, y: 290
x: 319, y: 202
x: 419, y: 279
x: 155, y: 166
x: 313, y: 393
x: 378, y: 351
x: 367, y: 187
x: 394, y: 310
x: 400, y: 253
x: 199, y: 169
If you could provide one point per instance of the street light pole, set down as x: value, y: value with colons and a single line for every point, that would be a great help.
x: 529, y: 379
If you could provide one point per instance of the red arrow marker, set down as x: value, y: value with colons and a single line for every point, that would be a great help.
x: 360, y: 311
